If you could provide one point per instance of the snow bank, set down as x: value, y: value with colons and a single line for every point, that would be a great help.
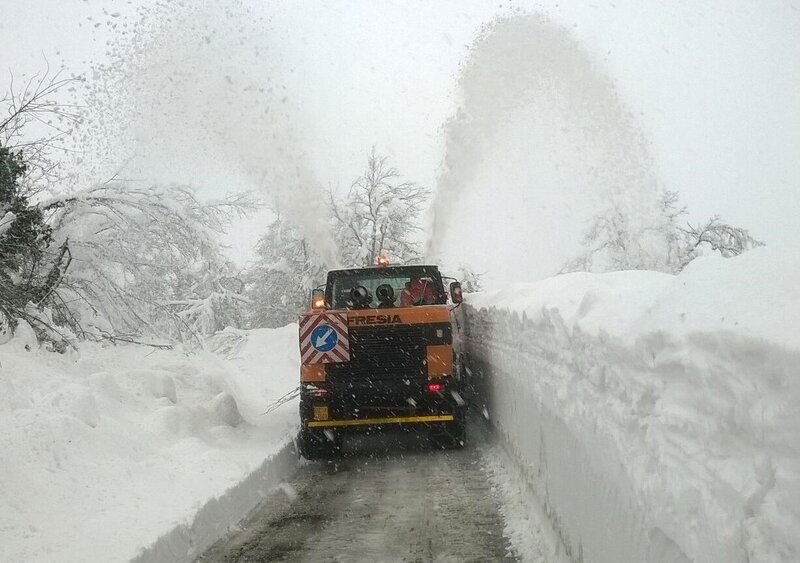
x: 655, y: 417
x: 106, y: 451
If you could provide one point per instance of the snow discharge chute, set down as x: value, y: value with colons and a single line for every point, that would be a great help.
x: 541, y: 144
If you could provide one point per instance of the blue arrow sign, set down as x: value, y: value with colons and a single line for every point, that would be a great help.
x: 324, y: 338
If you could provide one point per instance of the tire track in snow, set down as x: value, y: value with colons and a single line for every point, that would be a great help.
x: 395, y: 500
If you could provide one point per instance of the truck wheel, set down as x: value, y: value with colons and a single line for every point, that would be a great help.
x: 315, y: 444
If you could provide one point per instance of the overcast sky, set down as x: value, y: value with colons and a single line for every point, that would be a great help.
x: 714, y: 86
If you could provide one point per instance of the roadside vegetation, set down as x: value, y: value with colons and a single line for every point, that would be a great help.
x: 113, y: 261
x: 124, y: 261
x: 611, y: 244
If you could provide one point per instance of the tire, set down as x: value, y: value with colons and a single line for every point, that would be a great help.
x: 314, y: 444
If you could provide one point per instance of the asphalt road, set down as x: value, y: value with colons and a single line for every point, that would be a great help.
x: 387, y: 498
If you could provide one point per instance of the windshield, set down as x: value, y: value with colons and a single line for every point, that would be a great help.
x: 385, y: 288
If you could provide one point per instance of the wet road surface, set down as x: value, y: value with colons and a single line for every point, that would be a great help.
x: 394, y: 499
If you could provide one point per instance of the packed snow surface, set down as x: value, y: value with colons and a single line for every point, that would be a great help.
x: 655, y: 416
x: 107, y: 449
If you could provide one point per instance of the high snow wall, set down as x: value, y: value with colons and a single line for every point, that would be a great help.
x: 540, y: 144
x: 119, y: 451
x: 652, y: 422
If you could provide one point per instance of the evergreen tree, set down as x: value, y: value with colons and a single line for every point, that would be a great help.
x: 24, y: 237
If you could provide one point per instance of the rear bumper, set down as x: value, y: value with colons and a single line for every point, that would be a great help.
x: 395, y: 420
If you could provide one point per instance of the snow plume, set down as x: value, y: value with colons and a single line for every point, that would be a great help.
x: 541, y: 144
x: 193, y: 94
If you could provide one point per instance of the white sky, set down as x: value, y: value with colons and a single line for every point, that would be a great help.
x: 715, y: 85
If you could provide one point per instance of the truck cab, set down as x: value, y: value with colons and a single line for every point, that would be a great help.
x: 404, y: 363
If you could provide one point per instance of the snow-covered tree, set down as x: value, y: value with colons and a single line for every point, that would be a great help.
x: 379, y: 216
x: 30, y: 266
x: 470, y: 279
x: 719, y: 237
x: 611, y: 244
x: 146, y: 260
x: 279, y: 284
x: 111, y: 260
x: 23, y: 232
x: 211, y: 298
x: 33, y: 124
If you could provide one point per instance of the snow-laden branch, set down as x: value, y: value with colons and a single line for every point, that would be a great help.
x: 614, y: 241
x: 6, y: 221
x: 148, y: 258
x: 34, y: 103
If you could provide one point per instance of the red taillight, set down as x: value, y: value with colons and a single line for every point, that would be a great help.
x: 434, y: 387
x: 318, y: 392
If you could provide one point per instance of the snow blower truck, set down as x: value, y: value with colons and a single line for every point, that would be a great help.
x: 381, y: 349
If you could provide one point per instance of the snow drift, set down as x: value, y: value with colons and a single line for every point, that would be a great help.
x: 654, y: 416
x: 106, y: 451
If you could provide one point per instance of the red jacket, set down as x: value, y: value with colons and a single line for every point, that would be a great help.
x: 417, y: 292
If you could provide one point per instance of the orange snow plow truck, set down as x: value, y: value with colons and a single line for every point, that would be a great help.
x: 380, y: 349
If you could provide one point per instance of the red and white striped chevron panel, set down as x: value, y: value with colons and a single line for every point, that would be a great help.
x: 324, y: 338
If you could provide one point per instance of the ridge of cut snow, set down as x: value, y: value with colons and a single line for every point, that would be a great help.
x: 654, y: 416
x: 117, y: 448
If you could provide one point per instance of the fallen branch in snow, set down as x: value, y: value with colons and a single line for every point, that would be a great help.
x: 45, y: 327
x: 293, y: 394
x: 114, y: 339
x: 56, y: 274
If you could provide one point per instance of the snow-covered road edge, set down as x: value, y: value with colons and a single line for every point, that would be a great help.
x: 525, y: 524
x: 217, y: 517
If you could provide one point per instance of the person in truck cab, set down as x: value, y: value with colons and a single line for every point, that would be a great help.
x: 418, y: 291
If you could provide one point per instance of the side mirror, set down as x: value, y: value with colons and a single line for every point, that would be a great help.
x: 455, y: 292
x: 317, y: 299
